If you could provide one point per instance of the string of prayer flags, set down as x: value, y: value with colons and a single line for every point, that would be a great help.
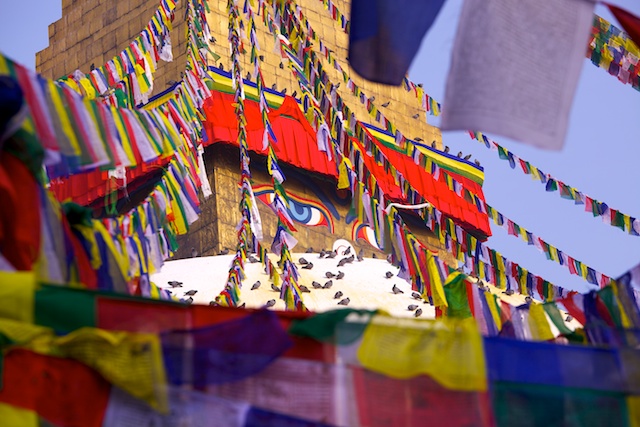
x: 552, y: 253
x: 455, y: 239
x: 615, y: 52
x: 136, y: 63
x: 337, y: 16
x: 628, y: 21
x: 614, y: 217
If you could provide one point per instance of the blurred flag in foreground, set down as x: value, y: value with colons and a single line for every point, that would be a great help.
x: 386, y: 34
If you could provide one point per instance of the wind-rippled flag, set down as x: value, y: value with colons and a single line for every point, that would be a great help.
x: 386, y: 34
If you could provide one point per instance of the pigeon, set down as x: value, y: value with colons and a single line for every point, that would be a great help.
x: 221, y: 66
x: 508, y: 292
x: 243, y: 305
x: 351, y: 259
x: 304, y: 289
x: 256, y: 285
x: 328, y: 284
x: 373, y: 255
x: 284, y: 91
x: 316, y: 285
x: 415, y: 116
x: 329, y: 275
x: 418, y: 313
x: 386, y: 104
x: 416, y: 295
x: 224, y: 251
x: 191, y: 292
x: 248, y: 76
x: 433, y: 144
x: 396, y: 290
x: 194, y: 253
x: 261, y: 57
x: 308, y: 266
x: 348, y: 251
x: 303, y: 261
x: 275, y: 288
x: 274, y: 86
x: 270, y: 303
x: 281, y: 65
x: 340, y: 275
x: 175, y: 284
x: 373, y: 98
x: 253, y: 259
x: 569, y: 318
x: 188, y: 300
x: 212, y: 40
x: 361, y: 255
x: 309, y: 251
x: 446, y: 148
x: 332, y: 254
x: 477, y: 162
x: 337, y: 295
x: 213, y: 303
x: 342, y: 262
x: 412, y: 307
x: 467, y: 157
x: 388, y: 275
x: 295, y: 93
x: 418, y: 139
x: 528, y: 300
x: 322, y: 254
x: 459, y: 154
x: 345, y: 301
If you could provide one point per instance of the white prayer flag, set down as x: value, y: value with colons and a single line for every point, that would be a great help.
x: 515, y: 66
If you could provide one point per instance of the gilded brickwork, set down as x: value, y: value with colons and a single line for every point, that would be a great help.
x: 93, y: 31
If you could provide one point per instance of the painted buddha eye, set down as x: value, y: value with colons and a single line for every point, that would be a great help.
x: 304, y: 211
x: 306, y: 214
x: 364, y: 232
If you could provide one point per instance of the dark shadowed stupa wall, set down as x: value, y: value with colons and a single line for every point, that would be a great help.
x: 94, y: 31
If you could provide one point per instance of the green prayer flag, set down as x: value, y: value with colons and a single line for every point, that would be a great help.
x: 556, y: 317
x: 323, y: 326
x: 64, y: 309
x: 455, y: 291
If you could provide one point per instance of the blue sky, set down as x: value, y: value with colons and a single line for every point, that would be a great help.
x: 600, y: 157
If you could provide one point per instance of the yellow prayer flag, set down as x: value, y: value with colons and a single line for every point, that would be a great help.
x: 131, y: 361
x: 633, y: 405
x: 448, y: 350
x: 538, y: 323
x: 343, y: 177
x: 17, y: 295
x: 437, y: 285
x: 12, y: 416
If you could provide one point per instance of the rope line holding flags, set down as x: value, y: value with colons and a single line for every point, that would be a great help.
x: 133, y: 68
x: 283, y: 240
x: 495, y: 268
x: 605, y: 37
x: 574, y: 266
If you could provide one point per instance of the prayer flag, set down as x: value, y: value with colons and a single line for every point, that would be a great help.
x: 386, y: 34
